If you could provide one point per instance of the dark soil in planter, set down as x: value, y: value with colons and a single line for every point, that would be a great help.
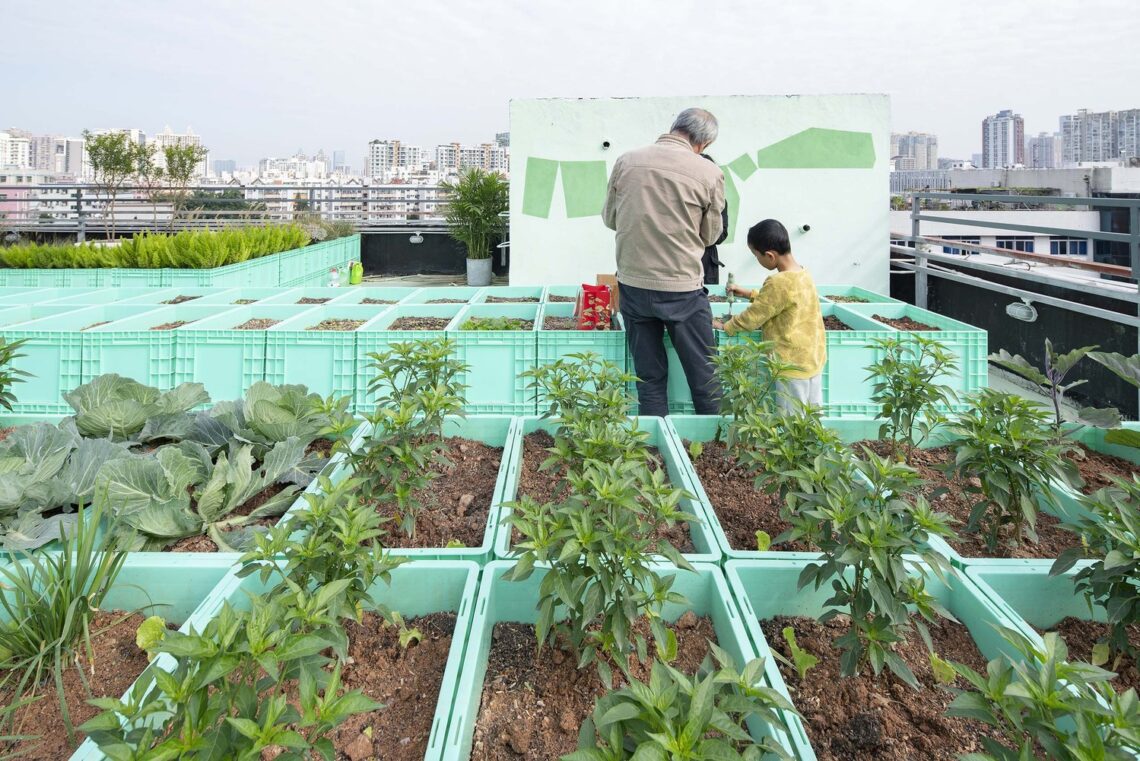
x: 311, y: 300
x: 741, y: 508
x: 448, y: 301
x: 847, y: 299
x: 334, y: 324
x: 377, y: 301
x: 1080, y: 635
x: 862, y: 717
x: 118, y: 662
x: 406, y: 681
x: 562, y: 299
x: 718, y: 299
x: 246, y: 301
x: 551, y: 486
x: 455, y: 505
x: 534, y: 702
x: 560, y: 323
x: 181, y: 299
x: 512, y: 300
x: 94, y: 325
x: 256, y: 324
x: 904, y: 323
x: 1098, y: 469
x: 834, y: 323
x: 172, y: 325
x: 1052, y: 538
x: 420, y: 323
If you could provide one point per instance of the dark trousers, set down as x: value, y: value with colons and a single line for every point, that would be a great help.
x: 688, y: 318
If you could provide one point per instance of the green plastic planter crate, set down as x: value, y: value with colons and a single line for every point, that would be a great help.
x: 425, y: 295
x: 517, y: 601
x: 159, y: 297
x: 680, y: 399
x: 225, y: 360
x: 767, y: 588
x: 323, y: 360
x: 493, y: 430
x: 130, y: 348
x: 12, y: 294
x: 565, y: 291
x: 13, y: 314
x: 534, y: 292
x: 497, y: 359
x: 376, y: 336
x: 315, y: 259
x: 968, y: 344
x: 415, y: 589
x: 847, y: 388
x: 356, y: 294
x: 118, y: 277
x: 1026, y: 592
x: 853, y: 290
x: 54, y: 353
x: 227, y: 297
x: 83, y: 297
x: 43, y: 295
x: 292, y: 295
x: 52, y: 278
x: 554, y: 345
x: 707, y: 548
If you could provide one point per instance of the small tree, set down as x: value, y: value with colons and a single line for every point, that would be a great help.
x: 181, y: 167
x: 150, y: 176
x: 114, y: 161
x: 476, y: 201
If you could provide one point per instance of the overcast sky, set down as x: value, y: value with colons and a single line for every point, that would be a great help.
x: 259, y: 77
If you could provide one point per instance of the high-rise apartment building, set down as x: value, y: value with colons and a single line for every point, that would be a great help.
x: 15, y: 151
x: 454, y: 157
x: 168, y: 138
x: 1100, y: 136
x: 1003, y: 140
x: 1043, y: 151
x: 385, y: 156
x: 503, y: 139
x: 914, y: 150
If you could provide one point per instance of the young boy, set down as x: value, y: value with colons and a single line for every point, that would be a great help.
x: 787, y: 309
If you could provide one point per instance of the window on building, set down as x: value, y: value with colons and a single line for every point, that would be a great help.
x: 1017, y: 243
x: 953, y: 251
x: 1069, y: 247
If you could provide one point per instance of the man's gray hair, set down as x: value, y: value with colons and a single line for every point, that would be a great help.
x: 697, y: 124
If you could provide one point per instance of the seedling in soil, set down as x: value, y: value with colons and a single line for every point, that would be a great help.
x: 8, y: 373
x: 1006, y: 443
x: 496, y: 323
x: 408, y: 636
x: 683, y: 718
x: 1110, y: 536
x: 1052, y: 380
x: 763, y: 541
x: 1047, y: 706
x: 906, y: 389
x: 802, y: 660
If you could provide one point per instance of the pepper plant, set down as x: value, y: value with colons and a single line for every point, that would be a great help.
x: 1007, y: 444
x: 749, y: 373
x: 683, y: 718
x: 1048, y: 707
x: 8, y: 373
x: 1109, y: 527
x: 868, y: 536
x: 911, y: 401
x: 783, y: 447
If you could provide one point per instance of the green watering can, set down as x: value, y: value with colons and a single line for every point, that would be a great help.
x: 355, y: 273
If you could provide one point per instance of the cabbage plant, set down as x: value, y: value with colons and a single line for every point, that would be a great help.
x: 122, y: 409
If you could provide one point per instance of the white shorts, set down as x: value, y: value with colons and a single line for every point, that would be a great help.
x: 805, y: 390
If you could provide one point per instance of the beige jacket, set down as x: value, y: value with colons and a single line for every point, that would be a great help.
x: 664, y: 202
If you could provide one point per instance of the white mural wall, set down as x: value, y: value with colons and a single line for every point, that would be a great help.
x: 817, y: 160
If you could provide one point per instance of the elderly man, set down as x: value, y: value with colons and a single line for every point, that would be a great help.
x: 665, y: 203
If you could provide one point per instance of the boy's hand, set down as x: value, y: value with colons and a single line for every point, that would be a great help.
x: 717, y: 325
x: 737, y: 290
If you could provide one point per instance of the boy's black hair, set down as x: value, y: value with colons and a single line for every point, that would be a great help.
x: 769, y: 235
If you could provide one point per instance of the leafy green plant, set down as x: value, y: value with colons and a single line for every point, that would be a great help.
x: 1110, y: 536
x: 581, y: 384
x: 1048, y: 707
x: 408, y: 635
x: 48, y: 602
x: 1052, y: 380
x: 113, y: 157
x: 802, y: 660
x: 600, y: 545
x: 680, y: 718
x: 8, y: 373
x: 1007, y: 444
x: 472, y: 212
x: 906, y: 389
x: 749, y: 373
x: 780, y: 448
x: 121, y: 409
x: 875, y: 552
x: 1128, y: 370
x: 496, y: 323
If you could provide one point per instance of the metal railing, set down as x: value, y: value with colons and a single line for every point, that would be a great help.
x: 79, y: 209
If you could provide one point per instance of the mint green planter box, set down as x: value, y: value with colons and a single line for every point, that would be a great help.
x: 493, y: 430
x: 565, y: 291
x: 293, y: 295
x: 54, y: 354
x: 14, y: 314
x: 263, y: 270
x: 426, y: 295
x: 356, y: 294
x: 706, y: 546
x: 847, y: 389
x: 376, y: 337
x: 1025, y: 591
x: 118, y: 277
x: 323, y: 360
x: 767, y: 588
x: 554, y: 345
x: 129, y: 347
x: 10, y: 295
x: 316, y: 259
x: 497, y: 359
x: 225, y: 360
x: 532, y: 292
x: 194, y: 293
x: 228, y: 297
x: 517, y: 602
x: 84, y: 297
x: 416, y: 589
x: 43, y: 295
x: 51, y: 278
x: 854, y: 291
x: 680, y: 399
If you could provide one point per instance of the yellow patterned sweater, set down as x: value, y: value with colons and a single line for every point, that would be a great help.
x: 787, y: 309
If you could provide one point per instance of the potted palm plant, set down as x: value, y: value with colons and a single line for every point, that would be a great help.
x: 472, y: 214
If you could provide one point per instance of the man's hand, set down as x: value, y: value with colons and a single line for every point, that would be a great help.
x: 737, y: 290
x: 717, y: 325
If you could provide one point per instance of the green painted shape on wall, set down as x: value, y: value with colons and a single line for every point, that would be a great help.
x: 538, y: 187
x: 819, y: 148
x: 743, y: 165
x: 584, y: 185
x: 731, y: 200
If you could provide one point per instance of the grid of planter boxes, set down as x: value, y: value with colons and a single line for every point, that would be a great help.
x: 375, y: 586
